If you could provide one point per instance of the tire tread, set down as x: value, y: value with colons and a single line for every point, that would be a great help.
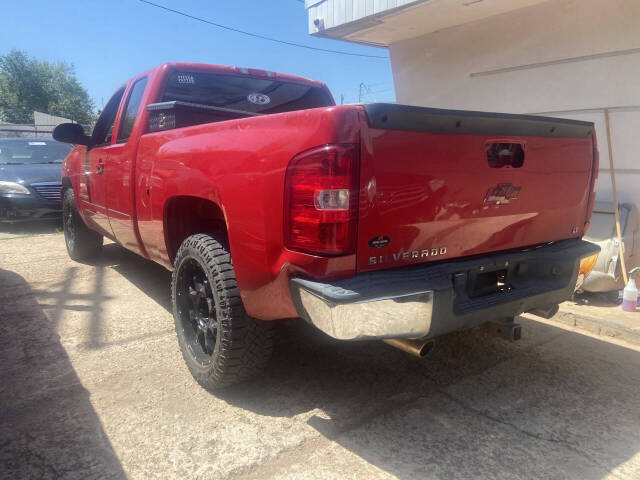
x: 87, y: 243
x: 245, y: 344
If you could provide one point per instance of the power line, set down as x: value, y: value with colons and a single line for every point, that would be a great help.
x: 255, y: 35
x: 373, y: 92
x: 364, y: 89
x: 379, y: 84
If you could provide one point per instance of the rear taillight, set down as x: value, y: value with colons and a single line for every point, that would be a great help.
x: 321, y: 200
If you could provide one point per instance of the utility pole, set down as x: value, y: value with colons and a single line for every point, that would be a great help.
x: 342, y: 99
x: 363, y: 89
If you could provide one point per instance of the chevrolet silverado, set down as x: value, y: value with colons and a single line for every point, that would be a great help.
x: 371, y: 222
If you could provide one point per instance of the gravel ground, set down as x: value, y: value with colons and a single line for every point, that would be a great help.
x: 92, y: 385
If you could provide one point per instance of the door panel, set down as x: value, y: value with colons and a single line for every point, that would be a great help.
x: 118, y: 173
x: 95, y: 194
x: 120, y: 170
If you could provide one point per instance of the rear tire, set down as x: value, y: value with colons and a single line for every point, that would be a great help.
x: 220, y: 343
x: 82, y: 243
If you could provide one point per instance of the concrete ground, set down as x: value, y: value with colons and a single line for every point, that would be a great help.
x: 602, y: 318
x: 92, y: 385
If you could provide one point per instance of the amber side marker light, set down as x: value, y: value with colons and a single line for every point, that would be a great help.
x: 586, y: 265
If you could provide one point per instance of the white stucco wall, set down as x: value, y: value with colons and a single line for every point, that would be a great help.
x: 468, y: 67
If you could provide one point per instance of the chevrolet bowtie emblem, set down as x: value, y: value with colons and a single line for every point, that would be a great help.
x: 502, y: 194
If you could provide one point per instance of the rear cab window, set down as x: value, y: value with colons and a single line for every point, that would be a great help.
x: 249, y: 94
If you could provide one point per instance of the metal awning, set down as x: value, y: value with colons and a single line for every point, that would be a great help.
x: 384, y: 22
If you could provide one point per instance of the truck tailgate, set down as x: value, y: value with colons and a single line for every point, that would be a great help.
x: 438, y: 184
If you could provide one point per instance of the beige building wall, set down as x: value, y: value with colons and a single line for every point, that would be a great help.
x: 568, y: 58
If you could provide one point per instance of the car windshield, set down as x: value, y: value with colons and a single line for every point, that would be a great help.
x: 23, y: 152
x: 244, y: 93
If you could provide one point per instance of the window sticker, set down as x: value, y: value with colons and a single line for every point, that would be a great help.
x: 186, y: 79
x: 37, y: 143
x: 258, y: 98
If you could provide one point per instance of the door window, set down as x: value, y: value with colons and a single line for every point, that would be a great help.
x: 131, y: 110
x: 103, y: 130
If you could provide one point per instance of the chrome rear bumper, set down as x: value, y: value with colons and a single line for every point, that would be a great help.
x: 428, y: 300
x: 403, y: 316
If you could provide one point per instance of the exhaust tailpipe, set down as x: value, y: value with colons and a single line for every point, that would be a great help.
x: 417, y: 348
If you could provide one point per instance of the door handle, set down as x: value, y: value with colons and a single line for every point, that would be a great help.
x: 100, y: 167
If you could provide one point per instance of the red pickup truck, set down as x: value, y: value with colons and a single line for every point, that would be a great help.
x: 372, y: 221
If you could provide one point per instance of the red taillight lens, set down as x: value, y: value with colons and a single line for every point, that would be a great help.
x: 321, y: 200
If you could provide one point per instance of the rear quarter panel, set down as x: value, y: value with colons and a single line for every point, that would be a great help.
x: 240, y: 165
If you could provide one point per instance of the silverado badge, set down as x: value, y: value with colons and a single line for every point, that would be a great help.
x: 409, y: 256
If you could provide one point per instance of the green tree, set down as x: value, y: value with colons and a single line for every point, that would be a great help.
x: 27, y: 84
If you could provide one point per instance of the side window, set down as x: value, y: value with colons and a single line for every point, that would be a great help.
x: 103, y: 129
x: 131, y: 110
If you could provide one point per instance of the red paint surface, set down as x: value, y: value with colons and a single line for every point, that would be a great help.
x: 423, y: 190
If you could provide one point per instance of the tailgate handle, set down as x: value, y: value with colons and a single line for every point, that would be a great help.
x: 504, y: 154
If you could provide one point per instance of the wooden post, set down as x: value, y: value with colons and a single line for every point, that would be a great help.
x: 615, y: 198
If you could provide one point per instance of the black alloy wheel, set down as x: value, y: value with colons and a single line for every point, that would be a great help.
x: 81, y: 242
x: 196, y: 308
x: 220, y: 343
x: 69, y: 227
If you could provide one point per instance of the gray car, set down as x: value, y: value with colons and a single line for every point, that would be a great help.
x: 30, y: 178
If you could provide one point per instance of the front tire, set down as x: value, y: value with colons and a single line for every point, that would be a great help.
x: 220, y: 343
x: 82, y: 243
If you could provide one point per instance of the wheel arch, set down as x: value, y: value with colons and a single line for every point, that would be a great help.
x: 186, y: 215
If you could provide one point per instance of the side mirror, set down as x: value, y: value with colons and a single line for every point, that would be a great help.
x: 71, y: 133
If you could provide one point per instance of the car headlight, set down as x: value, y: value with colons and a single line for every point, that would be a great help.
x: 11, y: 187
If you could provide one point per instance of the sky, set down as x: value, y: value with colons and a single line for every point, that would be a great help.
x: 110, y: 41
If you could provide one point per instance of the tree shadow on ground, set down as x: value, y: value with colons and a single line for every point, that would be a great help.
x: 48, y: 427
x: 150, y: 277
